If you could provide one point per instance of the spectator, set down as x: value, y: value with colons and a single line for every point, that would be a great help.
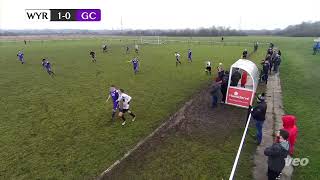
x: 244, y: 79
x: 259, y: 115
x: 276, y: 63
x: 289, y: 124
x: 269, y: 51
x: 268, y: 57
x: 216, y: 88
x: 265, y: 71
x: 224, y: 86
x: 277, y: 154
x: 271, y: 45
x: 235, y: 77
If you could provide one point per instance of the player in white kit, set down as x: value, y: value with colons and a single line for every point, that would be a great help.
x: 125, y: 100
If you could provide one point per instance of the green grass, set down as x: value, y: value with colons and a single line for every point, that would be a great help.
x: 301, y: 83
x: 58, y: 128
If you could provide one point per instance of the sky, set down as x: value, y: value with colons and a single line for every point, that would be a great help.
x: 166, y: 14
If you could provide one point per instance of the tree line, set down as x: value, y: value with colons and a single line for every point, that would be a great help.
x: 305, y: 29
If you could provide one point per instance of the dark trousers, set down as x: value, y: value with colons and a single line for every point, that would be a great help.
x: 259, y: 125
x: 224, y: 94
x: 275, y: 67
x: 270, y: 68
x: 265, y: 77
x: 214, y: 101
x: 272, y: 175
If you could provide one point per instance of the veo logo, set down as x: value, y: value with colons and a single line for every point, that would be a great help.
x: 297, y: 161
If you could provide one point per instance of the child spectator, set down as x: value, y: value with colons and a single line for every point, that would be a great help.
x: 277, y: 154
x: 289, y: 124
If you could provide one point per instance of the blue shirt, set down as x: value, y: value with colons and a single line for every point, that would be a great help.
x: 114, y: 95
x: 135, y: 61
x: 20, y: 55
x: 48, y: 65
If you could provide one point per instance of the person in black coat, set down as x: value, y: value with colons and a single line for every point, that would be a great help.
x: 215, y: 91
x: 276, y: 63
x: 259, y: 115
x: 265, y: 71
x: 277, y: 154
x: 224, y: 86
x: 235, y: 77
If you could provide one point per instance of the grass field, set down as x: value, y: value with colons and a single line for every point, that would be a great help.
x: 59, y: 128
x: 301, y: 83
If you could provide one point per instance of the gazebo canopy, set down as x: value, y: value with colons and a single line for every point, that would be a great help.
x: 243, y: 95
x: 250, y: 68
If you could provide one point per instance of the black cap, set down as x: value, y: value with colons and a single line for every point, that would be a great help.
x: 261, y: 98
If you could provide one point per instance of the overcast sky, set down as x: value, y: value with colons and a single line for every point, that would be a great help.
x: 167, y: 14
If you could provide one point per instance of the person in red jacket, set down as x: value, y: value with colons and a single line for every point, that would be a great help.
x: 289, y: 124
x: 244, y: 79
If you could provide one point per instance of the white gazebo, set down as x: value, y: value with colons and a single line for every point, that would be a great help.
x: 241, y: 92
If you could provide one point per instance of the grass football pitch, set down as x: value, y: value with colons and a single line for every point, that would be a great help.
x: 59, y: 128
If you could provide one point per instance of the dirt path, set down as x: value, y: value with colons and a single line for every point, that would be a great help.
x: 196, y: 119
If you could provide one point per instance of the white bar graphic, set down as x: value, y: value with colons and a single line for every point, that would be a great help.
x: 34, y: 15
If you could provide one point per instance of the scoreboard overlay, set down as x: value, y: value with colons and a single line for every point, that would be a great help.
x: 63, y: 14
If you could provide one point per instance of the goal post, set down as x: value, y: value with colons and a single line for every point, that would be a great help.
x: 151, y: 40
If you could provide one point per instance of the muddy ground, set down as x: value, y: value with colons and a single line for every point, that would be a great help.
x: 197, y: 120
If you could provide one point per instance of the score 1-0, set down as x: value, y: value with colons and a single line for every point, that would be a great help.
x: 64, y: 14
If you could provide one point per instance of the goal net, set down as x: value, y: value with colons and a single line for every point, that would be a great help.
x: 151, y: 40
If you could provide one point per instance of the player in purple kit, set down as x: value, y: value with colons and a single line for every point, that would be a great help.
x: 43, y: 63
x: 189, y: 55
x: 135, y: 63
x: 114, y: 94
x: 21, y: 57
x: 47, y: 65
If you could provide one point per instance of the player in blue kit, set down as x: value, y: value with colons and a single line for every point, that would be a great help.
x: 43, y: 63
x: 189, y: 55
x: 114, y: 94
x: 48, y: 68
x: 135, y: 63
x: 21, y: 57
